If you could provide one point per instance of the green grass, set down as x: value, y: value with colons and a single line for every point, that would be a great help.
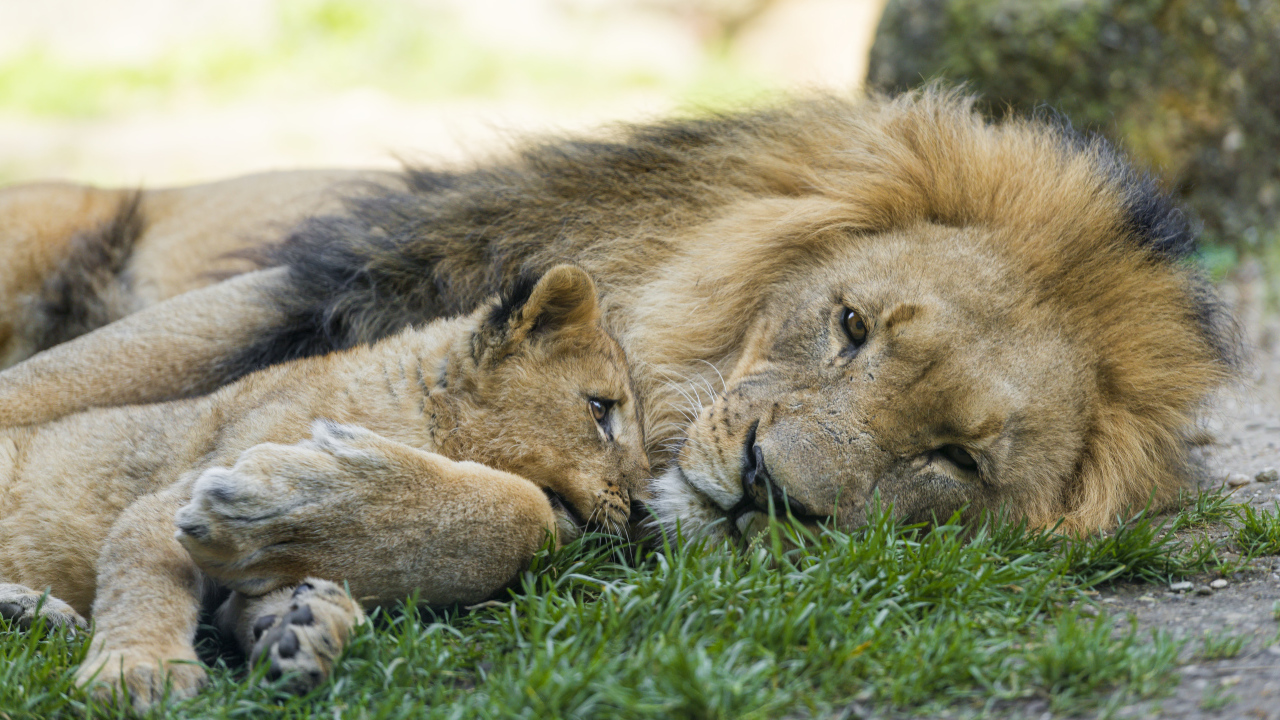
x: 1259, y: 531
x: 1221, y: 647
x: 798, y: 624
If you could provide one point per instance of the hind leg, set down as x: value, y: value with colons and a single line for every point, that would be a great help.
x: 299, y: 631
x: 21, y: 605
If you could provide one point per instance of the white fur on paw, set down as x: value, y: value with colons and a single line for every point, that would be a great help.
x: 21, y: 605
x: 262, y: 485
x: 302, y: 644
x: 343, y: 441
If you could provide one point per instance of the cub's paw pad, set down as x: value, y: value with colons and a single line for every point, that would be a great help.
x: 302, y: 643
x: 21, y: 606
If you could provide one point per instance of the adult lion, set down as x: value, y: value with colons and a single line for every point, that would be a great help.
x: 823, y: 300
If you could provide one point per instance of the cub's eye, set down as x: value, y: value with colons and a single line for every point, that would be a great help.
x: 599, y: 408
x: 855, y: 327
x: 959, y: 457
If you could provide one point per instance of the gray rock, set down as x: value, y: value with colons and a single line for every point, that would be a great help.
x: 1218, y: 584
x: 1180, y: 586
x: 1268, y: 475
x: 1238, y: 480
x: 1204, y: 590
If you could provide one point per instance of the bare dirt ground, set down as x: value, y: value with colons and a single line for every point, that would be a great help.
x: 1245, y: 431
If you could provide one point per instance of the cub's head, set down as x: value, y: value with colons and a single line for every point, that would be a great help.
x: 545, y: 393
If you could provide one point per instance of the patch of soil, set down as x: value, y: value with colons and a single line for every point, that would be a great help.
x: 1245, y: 432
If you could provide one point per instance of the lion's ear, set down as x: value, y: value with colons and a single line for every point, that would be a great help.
x: 564, y: 298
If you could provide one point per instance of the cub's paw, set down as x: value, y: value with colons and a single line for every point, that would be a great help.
x: 241, y: 520
x: 305, y: 639
x: 140, y: 678
x: 21, y: 605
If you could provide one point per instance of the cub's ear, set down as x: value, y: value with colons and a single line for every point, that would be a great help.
x: 562, y: 299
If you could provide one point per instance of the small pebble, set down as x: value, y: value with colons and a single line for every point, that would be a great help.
x: 1204, y: 590
x: 1274, y: 650
x: 1180, y: 586
x: 1268, y: 475
x: 1238, y: 480
x: 1146, y: 598
x: 1218, y: 584
x: 1089, y: 610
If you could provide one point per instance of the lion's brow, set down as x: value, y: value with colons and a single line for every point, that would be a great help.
x: 904, y: 312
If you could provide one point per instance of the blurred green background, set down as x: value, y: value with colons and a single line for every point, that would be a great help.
x: 160, y: 91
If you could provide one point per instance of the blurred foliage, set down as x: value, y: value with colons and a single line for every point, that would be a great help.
x: 414, y: 51
x: 1190, y: 87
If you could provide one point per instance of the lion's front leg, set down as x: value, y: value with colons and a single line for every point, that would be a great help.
x: 350, y: 505
x: 176, y: 348
x: 145, y: 611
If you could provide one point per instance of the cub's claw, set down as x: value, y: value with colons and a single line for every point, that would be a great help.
x: 107, y: 675
x: 21, y: 605
x: 305, y: 639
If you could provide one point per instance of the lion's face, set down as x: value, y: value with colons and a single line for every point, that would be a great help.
x: 911, y: 365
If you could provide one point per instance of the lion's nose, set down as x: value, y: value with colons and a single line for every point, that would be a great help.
x: 754, y: 471
x: 759, y: 488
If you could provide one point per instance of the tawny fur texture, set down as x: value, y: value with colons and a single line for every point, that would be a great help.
x: 77, y: 257
x: 457, y: 443
x: 1037, y: 338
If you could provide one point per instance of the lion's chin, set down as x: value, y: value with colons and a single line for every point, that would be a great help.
x: 681, y: 511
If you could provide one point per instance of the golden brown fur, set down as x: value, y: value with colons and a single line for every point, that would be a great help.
x: 78, y: 257
x: 463, y: 425
x: 1029, y: 298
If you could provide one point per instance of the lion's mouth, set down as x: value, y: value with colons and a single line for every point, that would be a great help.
x: 745, y: 517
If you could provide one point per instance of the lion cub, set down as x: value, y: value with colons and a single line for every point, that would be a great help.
x: 467, y: 427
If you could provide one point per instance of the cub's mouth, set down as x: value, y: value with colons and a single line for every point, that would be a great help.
x: 569, y: 524
x: 610, y: 519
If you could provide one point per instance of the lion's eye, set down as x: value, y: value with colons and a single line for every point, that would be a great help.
x: 599, y: 408
x: 855, y: 327
x: 959, y: 457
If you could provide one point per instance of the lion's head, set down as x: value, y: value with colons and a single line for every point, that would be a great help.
x: 968, y: 316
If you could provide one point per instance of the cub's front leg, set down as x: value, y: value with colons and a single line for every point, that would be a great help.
x: 146, y: 609
x: 348, y: 504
